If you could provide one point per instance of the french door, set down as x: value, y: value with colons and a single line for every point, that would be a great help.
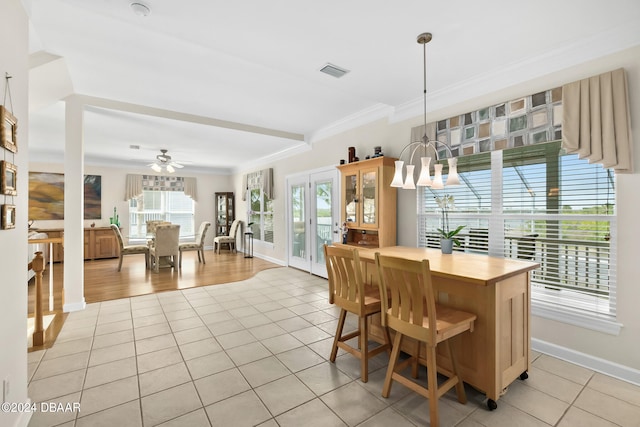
x: 313, y: 215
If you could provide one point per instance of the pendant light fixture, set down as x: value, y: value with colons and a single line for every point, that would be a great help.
x: 424, y: 145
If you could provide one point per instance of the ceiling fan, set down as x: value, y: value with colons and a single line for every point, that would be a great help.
x: 164, y: 162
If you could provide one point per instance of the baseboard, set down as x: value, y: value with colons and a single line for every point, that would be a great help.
x: 76, y: 306
x: 24, y: 417
x: 273, y: 260
x: 597, y: 364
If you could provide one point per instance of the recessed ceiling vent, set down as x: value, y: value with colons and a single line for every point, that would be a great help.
x: 333, y: 70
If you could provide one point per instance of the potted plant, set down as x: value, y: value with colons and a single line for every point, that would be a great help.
x: 447, y: 236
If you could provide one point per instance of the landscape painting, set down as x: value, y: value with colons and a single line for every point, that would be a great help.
x: 46, y: 196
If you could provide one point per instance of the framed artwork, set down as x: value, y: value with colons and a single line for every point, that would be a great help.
x: 8, y: 178
x: 8, y: 130
x: 8, y: 217
x: 46, y: 196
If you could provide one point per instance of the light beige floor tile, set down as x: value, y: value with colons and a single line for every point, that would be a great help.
x: 139, y: 322
x: 284, y: 394
x: 353, y: 403
x: 163, y: 378
x: 267, y: 305
x: 504, y: 416
x: 389, y: 417
x: 183, y: 324
x: 153, y: 308
x: 216, y: 317
x: 197, y: 418
x: 207, y: 309
x: 318, y: 317
x: 243, y: 311
x: 244, y: 409
x: 75, y: 334
x: 109, y: 328
x: 210, y: 390
x: 48, y: 388
x: 314, y: 413
x: 237, y: 302
x: 109, y: 354
x: 191, y: 335
x: 158, y: 359
x: 609, y: 408
x: 108, y: 340
x: 175, y: 306
x: 553, y: 385
x: 169, y: 404
x: 37, y: 356
x: 281, y: 343
x: 209, y: 364
x: 303, y: 309
x: 534, y: 402
x: 266, y: 331
x: 235, y: 339
x: 127, y: 414
x: 151, y: 331
x: 109, y: 372
x: 563, y: 369
x: 323, y: 378
x: 248, y: 353
x: 61, y: 365
x: 109, y: 395
x: 309, y: 335
x: 299, y: 358
x: 187, y: 313
x: 156, y: 343
x: 254, y: 320
x: 280, y: 314
x: 293, y: 324
x: 113, y: 317
x: 52, y: 416
x: 616, y: 388
x: 68, y: 347
x: 263, y: 371
x: 577, y: 417
x: 225, y: 327
x: 199, y: 348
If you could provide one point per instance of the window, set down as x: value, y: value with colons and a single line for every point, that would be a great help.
x: 537, y: 203
x: 261, y: 215
x: 172, y: 206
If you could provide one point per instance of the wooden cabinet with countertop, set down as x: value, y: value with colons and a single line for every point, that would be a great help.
x: 99, y: 242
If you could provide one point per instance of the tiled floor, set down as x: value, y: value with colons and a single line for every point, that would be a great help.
x: 255, y: 353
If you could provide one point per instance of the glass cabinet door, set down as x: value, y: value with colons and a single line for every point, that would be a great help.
x: 369, y: 196
x: 351, y: 198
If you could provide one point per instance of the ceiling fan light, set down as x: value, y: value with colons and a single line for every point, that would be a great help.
x: 170, y: 169
x: 156, y: 167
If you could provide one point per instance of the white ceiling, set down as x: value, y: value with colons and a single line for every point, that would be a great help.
x: 223, y: 84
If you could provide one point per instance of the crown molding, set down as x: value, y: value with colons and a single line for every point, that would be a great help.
x: 375, y: 112
x: 271, y: 158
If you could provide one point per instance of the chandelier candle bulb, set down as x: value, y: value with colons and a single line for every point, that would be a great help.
x: 424, y: 180
x: 409, y: 183
x: 397, y: 175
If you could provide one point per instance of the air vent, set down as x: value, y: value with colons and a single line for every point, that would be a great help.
x: 334, y: 70
x: 134, y: 147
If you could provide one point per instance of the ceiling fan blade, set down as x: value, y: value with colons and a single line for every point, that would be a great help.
x: 176, y: 165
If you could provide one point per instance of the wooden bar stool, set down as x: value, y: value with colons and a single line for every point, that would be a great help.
x: 412, y: 311
x: 348, y: 291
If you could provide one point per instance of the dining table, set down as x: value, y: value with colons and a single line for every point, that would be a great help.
x: 496, y: 290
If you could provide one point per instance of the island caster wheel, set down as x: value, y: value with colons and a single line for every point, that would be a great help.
x: 491, y: 404
x: 524, y: 375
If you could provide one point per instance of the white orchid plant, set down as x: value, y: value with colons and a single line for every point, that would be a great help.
x: 446, y: 203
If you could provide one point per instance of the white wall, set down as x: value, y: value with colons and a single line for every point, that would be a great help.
x: 623, y: 349
x: 13, y: 243
x: 113, y: 187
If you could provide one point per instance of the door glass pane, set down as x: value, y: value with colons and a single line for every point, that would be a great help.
x: 298, y: 220
x: 369, y: 197
x: 350, y: 197
x: 323, y: 218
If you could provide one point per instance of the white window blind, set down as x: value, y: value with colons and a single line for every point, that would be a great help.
x: 172, y: 206
x: 537, y: 203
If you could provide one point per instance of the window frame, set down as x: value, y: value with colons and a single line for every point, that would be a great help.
x: 260, y: 230
x: 543, y: 304
x: 163, y: 214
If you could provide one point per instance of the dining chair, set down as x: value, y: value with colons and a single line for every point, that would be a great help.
x: 165, y: 246
x: 129, y: 249
x: 198, y: 245
x: 348, y: 291
x: 411, y: 311
x: 229, y: 239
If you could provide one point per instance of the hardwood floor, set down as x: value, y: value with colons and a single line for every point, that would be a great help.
x: 103, y: 281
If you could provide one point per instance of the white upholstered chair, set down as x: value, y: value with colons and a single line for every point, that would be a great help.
x: 165, y: 245
x: 129, y: 249
x: 230, y: 239
x: 198, y: 245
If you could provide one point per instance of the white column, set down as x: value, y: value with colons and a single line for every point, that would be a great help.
x: 73, y: 206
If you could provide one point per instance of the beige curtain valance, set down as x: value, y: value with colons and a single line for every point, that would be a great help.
x: 596, y: 120
x: 135, y: 184
x: 262, y: 179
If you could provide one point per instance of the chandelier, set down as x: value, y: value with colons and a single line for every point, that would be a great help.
x: 424, y: 146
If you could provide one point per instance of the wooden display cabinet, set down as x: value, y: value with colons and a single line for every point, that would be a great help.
x: 368, y: 202
x: 224, y: 213
x: 99, y: 242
